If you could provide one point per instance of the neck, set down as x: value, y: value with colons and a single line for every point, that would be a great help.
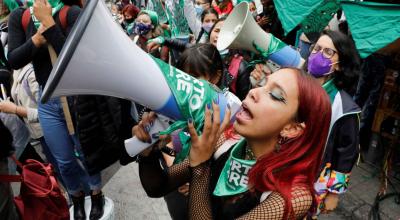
x: 322, y: 80
x: 261, y: 148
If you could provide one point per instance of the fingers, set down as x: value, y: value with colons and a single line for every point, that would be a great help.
x: 207, y: 121
x: 192, y: 131
x: 226, y: 120
x: 216, y: 120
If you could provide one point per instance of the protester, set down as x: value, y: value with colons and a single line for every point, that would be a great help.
x: 7, y: 207
x: 129, y: 13
x: 335, y: 63
x: 29, y: 45
x: 282, y: 177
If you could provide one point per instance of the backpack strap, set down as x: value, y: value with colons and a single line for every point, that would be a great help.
x: 234, y: 70
x: 25, y: 85
x: 26, y: 18
x: 62, y: 15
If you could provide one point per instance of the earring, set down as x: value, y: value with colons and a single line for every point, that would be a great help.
x: 278, y: 146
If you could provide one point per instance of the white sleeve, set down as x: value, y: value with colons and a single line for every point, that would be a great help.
x: 190, y: 15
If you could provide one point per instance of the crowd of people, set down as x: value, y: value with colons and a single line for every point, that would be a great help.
x: 288, y: 155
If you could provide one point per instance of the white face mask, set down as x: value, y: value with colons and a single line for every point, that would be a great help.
x: 207, y: 26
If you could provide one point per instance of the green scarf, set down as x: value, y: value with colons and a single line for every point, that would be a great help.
x: 233, y: 179
x: 55, y: 4
x: 331, y: 89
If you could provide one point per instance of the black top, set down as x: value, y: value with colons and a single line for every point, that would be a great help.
x: 21, y: 49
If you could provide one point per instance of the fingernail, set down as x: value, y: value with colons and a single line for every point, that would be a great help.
x: 155, y: 135
x: 208, y: 106
x: 190, y: 120
x: 216, y: 101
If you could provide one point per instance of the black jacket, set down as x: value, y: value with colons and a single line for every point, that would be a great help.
x: 103, y: 123
x: 6, y: 147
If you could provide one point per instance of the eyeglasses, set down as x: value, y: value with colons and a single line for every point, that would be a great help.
x: 326, y: 52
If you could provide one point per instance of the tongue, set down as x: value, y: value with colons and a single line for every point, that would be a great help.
x: 245, y: 114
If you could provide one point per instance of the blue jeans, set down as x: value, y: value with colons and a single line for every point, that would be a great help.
x: 63, y: 147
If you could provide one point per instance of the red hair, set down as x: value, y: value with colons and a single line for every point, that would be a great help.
x: 130, y: 9
x: 298, y: 161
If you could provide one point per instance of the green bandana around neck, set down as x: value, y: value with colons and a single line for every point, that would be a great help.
x: 331, y: 89
x: 56, y: 6
x: 233, y: 179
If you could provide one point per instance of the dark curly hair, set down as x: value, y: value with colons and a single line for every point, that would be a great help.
x: 349, y: 60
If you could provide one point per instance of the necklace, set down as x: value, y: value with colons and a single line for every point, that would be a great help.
x: 249, y: 154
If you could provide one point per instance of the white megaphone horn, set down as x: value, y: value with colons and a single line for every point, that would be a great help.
x: 241, y: 31
x: 98, y: 58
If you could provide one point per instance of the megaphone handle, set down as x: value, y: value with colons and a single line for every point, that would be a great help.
x: 134, y: 146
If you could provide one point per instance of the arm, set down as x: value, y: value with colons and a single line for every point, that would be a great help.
x: 20, y: 50
x: 274, y: 206
x: 199, y: 196
x: 157, y: 181
x: 190, y: 15
x: 54, y: 34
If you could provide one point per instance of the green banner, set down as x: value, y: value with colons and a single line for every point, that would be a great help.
x: 192, y: 96
x: 292, y: 12
x: 176, y: 17
x: 156, y: 5
x: 320, y: 17
x: 372, y: 25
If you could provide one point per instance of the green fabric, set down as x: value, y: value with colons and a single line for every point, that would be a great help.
x: 331, y: 89
x: 275, y: 44
x: 318, y: 19
x: 156, y: 5
x: 153, y: 16
x: 176, y: 18
x: 192, y: 95
x: 11, y: 4
x: 372, y: 25
x: 55, y: 4
x: 130, y: 28
x: 233, y: 179
x: 292, y: 12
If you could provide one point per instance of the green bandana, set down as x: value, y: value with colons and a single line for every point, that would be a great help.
x: 55, y: 4
x: 233, y: 179
x: 331, y: 89
x: 275, y: 45
x: 153, y: 16
x: 187, y: 89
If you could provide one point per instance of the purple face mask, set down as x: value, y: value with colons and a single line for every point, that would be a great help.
x: 318, y: 65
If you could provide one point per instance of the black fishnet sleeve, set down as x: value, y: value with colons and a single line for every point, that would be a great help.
x: 199, y: 196
x: 273, y: 207
x: 158, y: 181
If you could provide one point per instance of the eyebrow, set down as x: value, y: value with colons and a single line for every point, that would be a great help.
x: 279, y: 87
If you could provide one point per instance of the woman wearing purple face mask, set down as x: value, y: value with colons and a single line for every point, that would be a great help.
x: 335, y: 63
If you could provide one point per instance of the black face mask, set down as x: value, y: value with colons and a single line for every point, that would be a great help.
x: 129, y: 20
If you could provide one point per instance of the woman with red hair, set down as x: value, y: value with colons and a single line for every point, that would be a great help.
x: 129, y: 13
x: 270, y: 173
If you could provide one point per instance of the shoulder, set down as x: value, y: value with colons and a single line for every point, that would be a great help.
x: 16, y: 14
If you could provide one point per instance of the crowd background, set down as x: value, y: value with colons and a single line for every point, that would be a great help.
x: 82, y: 135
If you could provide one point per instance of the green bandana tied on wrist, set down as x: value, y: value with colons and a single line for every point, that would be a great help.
x: 233, y: 179
x: 56, y: 6
x: 275, y: 45
x: 187, y: 89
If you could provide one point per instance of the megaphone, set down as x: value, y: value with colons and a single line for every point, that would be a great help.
x: 241, y: 31
x: 98, y: 58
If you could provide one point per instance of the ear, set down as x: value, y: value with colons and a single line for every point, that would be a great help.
x: 293, y: 130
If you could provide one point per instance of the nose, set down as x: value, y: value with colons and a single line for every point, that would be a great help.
x: 253, y: 94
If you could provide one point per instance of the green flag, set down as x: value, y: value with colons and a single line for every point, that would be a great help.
x: 56, y: 5
x: 320, y: 17
x: 11, y: 4
x: 292, y: 12
x: 372, y: 25
x: 176, y: 17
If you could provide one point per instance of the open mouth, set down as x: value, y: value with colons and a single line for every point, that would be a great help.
x: 244, y: 113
